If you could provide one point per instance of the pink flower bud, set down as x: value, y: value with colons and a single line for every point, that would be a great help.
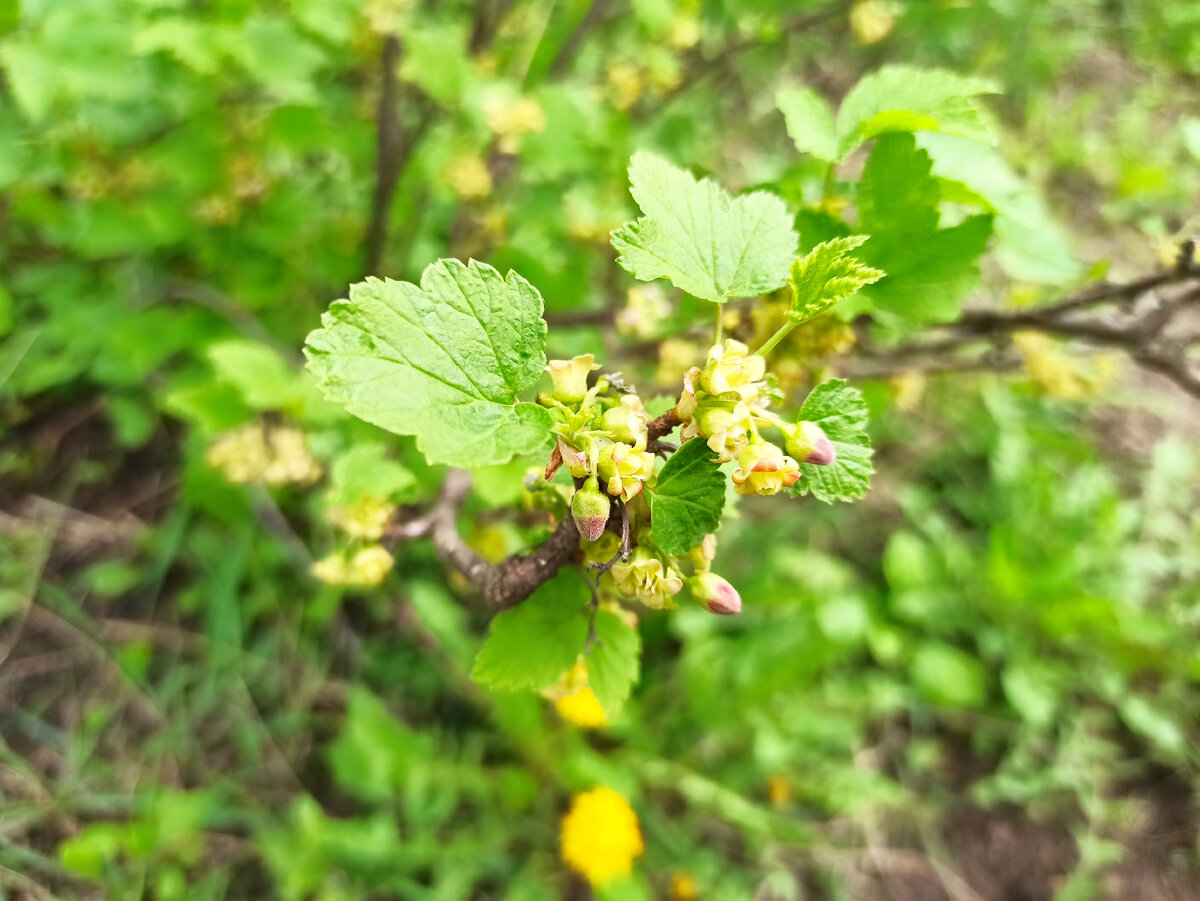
x: 590, y: 508
x: 808, y: 443
x: 715, y: 594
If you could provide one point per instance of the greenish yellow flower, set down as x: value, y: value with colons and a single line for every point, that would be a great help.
x: 644, y: 576
x: 625, y: 469
x: 601, y: 836
x: 365, y: 568
x: 367, y: 517
x: 256, y: 453
x: 724, y: 422
x: 570, y: 377
x: 764, y: 470
x: 627, y: 421
x: 731, y: 367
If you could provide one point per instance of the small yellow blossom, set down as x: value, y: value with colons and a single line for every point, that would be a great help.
x: 627, y: 421
x: 367, y: 517
x: 625, y: 469
x: 682, y: 887
x: 582, y: 708
x: 255, y: 453
x: 724, y: 422
x: 570, y: 377
x: 731, y: 367
x: 675, y: 355
x: 779, y: 790
x: 684, y: 32
x: 645, y: 577
x: 511, y: 117
x: 763, y: 469
x: 469, y: 177
x: 627, y: 82
x: 645, y: 307
x: 873, y: 20
x: 601, y: 836
x: 367, y: 567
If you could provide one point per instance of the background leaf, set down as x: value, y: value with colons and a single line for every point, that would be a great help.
x: 707, y: 243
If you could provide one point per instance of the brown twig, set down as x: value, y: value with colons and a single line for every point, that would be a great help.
x: 1137, y: 317
x: 505, y: 584
x: 394, y: 148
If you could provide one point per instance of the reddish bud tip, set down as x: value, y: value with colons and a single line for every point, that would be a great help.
x: 590, y: 508
x: 822, y: 452
x: 715, y: 594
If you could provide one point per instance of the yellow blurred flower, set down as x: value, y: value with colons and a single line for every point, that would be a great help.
x: 367, y: 567
x: 601, y: 836
x: 627, y: 82
x: 873, y: 20
x: 779, y: 790
x: 468, y: 176
x: 682, y: 887
x: 1054, y: 372
x: 510, y: 117
x: 582, y: 708
x: 256, y: 453
x: 366, y: 517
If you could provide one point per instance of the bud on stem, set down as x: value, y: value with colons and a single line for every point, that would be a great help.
x: 590, y: 507
x: 715, y: 594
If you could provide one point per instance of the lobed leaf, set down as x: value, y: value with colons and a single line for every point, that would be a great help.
x: 537, y: 641
x: 444, y: 361
x: 687, y: 500
x: 708, y: 244
x: 930, y: 270
x: 826, y: 275
x: 809, y: 122
x: 613, y: 661
x: 909, y: 98
x: 841, y: 413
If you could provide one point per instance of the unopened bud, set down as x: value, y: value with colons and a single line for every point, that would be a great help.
x: 590, y: 508
x: 808, y: 443
x: 715, y: 594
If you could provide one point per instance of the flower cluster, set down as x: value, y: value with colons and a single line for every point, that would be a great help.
x: 257, y: 452
x: 726, y: 403
x: 602, y: 437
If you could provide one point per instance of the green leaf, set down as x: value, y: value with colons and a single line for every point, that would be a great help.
x: 930, y: 270
x: 374, y: 751
x: 707, y: 243
x: 533, y: 644
x: 907, y: 98
x: 841, y: 413
x: 826, y: 275
x: 1030, y: 245
x: 948, y: 676
x: 809, y: 122
x: 365, y: 471
x: 444, y: 361
x: 687, y: 500
x: 613, y: 662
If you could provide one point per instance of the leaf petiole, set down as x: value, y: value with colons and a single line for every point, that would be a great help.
x: 770, y: 343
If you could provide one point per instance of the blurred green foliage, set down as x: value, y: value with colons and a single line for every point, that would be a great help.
x: 1006, y: 623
